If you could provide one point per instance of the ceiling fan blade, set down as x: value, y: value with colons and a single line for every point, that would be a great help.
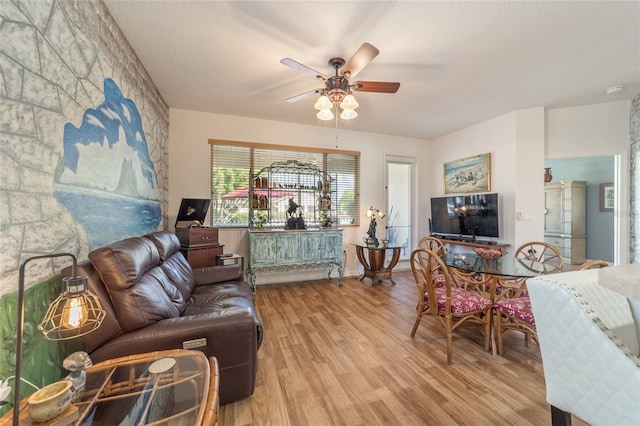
x: 302, y: 68
x: 363, y: 56
x: 304, y: 95
x: 376, y: 86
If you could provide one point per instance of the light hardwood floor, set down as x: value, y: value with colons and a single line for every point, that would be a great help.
x: 343, y: 356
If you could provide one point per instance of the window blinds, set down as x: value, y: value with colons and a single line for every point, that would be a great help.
x: 232, y: 163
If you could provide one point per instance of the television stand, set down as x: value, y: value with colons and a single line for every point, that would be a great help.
x: 450, y: 237
x: 456, y: 245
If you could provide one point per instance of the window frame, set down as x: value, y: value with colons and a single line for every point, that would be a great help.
x: 253, y: 146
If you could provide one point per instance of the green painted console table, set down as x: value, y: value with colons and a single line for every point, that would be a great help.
x: 276, y: 250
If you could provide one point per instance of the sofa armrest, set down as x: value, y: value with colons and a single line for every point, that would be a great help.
x: 217, y: 274
x: 230, y: 335
x: 223, y: 329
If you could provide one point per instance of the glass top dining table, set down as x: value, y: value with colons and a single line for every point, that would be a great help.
x: 504, y: 266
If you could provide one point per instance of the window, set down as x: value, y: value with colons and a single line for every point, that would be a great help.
x: 232, y: 164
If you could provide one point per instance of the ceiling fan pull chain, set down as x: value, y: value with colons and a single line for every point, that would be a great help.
x: 336, y: 127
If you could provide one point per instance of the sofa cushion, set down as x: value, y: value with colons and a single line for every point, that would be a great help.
x: 110, y: 328
x: 205, y: 294
x: 167, y: 243
x: 121, y: 264
x: 140, y: 290
x: 178, y: 271
x: 174, y: 263
x: 225, y: 304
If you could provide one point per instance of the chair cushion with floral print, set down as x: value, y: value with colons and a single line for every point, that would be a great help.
x: 438, y: 280
x: 462, y: 301
x: 507, y: 288
x: 518, y: 307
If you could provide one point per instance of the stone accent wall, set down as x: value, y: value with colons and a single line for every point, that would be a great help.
x: 54, y: 57
x: 634, y: 193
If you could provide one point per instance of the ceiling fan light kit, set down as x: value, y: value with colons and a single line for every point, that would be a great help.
x: 323, y: 103
x: 337, y: 90
x: 348, y: 114
x: 349, y: 102
x: 325, y: 114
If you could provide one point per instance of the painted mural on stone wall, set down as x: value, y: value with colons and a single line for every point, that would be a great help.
x: 107, y: 180
x: 77, y: 156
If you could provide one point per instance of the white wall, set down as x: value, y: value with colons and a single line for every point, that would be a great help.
x: 189, y: 163
x: 588, y: 131
x: 529, y: 176
x: 592, y: 131
x: 515, y: 142
x: 518, y: 142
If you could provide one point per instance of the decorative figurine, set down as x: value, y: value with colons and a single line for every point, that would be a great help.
x: 325, y: 220
x: 293, y: 207
x: 371, y: 239
x: 294, y: 222
x: 77, y: 363
x: 372, y: 232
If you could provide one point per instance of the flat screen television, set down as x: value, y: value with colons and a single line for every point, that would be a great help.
x: 465, y: 216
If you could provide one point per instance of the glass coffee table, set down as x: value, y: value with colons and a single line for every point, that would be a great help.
x: 155, y: 388
x: 172, y: 387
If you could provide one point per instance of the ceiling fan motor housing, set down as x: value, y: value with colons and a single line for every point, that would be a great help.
x: 337, y: 88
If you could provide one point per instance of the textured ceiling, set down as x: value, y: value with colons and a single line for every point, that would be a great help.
x: 459, y: 63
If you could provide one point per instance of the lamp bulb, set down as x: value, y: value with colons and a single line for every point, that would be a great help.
x: 73, y: 313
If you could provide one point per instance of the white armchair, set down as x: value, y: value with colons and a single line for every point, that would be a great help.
x: 589, y: 343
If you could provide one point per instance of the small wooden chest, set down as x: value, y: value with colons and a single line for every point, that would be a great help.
x: 195, y: 236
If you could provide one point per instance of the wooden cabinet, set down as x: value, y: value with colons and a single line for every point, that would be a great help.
x: 288, y: 250
x: 197, y: 236
x: 201, y: 256
x: 565, y: 218
x: 199, y: 245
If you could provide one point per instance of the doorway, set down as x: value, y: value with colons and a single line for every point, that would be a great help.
x: 600, y: 224
x: 399, y: 186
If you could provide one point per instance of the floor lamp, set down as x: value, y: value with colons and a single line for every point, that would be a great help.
x: 74, y: 313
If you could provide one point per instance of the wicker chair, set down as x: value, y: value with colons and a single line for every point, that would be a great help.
x: 593, y: 264
x: 433, y: 244
x: 541, y: 252
x: 451, y: 304
x: 512, y: 306
x: 438, y: 247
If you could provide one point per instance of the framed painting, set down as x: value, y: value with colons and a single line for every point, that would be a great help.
x: 471, y: 174
x: 607, y: 197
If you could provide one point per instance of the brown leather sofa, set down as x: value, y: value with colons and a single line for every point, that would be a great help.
x: 154, y: 300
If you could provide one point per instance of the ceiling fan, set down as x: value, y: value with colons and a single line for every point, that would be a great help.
x: 337, y: 90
